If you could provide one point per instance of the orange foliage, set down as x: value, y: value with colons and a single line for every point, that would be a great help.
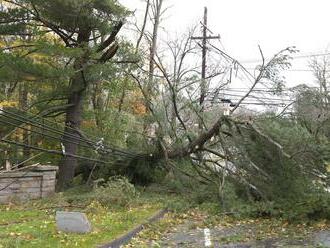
x: 88, y: 124
x: 139, y: 108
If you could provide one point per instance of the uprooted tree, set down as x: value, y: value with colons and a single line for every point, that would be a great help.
x: 242, y: 147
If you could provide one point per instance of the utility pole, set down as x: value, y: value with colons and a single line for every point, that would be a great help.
x: 203, y: 85
x: 204, y: 39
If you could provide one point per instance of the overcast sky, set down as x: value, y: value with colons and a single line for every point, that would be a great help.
x: 245, y: 24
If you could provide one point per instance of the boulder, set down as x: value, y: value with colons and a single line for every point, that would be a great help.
x: 73, y: 222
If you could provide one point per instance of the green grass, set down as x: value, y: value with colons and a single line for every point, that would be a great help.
x: 33, y: 224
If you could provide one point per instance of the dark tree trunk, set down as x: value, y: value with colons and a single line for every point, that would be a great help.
x: 77, y: 89
x: 70, y: 139
x: 23, y: 105
x: 73, y: 117
x: 98, y: 105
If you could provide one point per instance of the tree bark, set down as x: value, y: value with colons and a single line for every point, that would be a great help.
x: 73, y: 116
x: 73, y: 121
x: 23, y: 105
x: 153, y: 47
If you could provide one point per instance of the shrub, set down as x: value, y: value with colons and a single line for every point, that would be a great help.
x: 116, y: 191
x: 313, y: 207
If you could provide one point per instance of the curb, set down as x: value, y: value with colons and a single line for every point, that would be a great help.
x: 131, y: 234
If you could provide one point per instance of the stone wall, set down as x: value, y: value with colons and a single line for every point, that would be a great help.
x: 38, y: 182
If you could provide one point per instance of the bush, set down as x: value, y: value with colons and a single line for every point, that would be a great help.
x: 116, y: 191
x: 313, y: 207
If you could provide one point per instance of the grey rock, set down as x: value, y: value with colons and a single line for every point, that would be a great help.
x: 73, y: 222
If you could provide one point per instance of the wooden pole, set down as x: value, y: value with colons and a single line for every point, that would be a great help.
x: 204, y: 38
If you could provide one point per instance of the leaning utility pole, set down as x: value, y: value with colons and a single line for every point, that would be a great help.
x: 204, y: 39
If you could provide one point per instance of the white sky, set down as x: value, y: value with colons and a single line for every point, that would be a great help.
x: 245, y: 24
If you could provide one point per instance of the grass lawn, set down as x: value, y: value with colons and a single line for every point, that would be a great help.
x: 33, y: 224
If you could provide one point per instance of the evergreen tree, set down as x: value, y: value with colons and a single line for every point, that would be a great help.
x: 74, y: 38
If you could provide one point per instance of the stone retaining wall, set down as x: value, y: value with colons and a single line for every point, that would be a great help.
x: 35, y: 183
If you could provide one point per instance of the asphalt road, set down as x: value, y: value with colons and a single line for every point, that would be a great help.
x: 185, y: 236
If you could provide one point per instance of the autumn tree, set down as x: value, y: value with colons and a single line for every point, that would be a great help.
x: 83, y: 41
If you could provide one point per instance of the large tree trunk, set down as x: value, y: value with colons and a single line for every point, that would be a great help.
x: 73, y: 117
x: 70, y: 140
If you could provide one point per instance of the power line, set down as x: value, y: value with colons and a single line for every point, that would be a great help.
x: 257, y: 89
x: 56, y: 138
x: 268, y: 92
x: 113, y: 147
x: 294, y: 70
x: 292, y: 57
x: 258, y: 98
x: 259, y: 103
x: 73, y: 129
x: 266, y: 104
x: 37, y: 132
x: 26, y: 120
x: 51, y: 151
x: 246, y: 72
x: 269, y: 89
x: 50, y: 129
